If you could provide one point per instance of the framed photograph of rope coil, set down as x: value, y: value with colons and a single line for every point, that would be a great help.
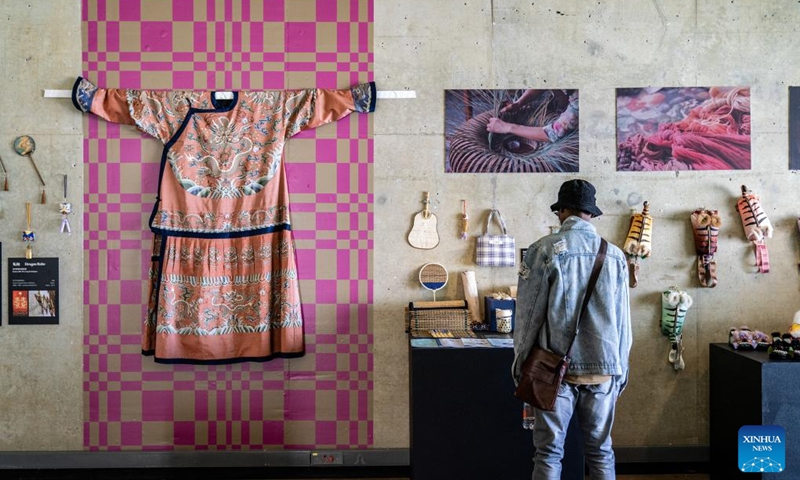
x: 513, y: 131
x: 686, y: 128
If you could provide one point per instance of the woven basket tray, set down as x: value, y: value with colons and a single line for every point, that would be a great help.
x: 432, y: 319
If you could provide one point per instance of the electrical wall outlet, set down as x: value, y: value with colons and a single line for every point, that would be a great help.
x: 327, y: 458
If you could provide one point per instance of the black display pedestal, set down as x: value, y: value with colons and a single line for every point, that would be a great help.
x: 749, y: 388
x: 466, y: 422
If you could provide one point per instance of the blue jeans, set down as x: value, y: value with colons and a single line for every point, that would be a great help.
x: 594, y: 405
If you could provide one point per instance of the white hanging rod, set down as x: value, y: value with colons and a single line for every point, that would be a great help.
x: 389, y: 94
x: 397, y: 94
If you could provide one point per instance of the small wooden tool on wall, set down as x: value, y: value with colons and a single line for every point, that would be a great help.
x: 25, y: 146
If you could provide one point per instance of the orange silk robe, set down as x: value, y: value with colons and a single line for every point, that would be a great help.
x: 223, y: 280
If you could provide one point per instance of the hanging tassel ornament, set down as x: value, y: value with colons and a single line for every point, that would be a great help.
x: 65, y: 208
x: 464, y: 220
x: 28, y: 235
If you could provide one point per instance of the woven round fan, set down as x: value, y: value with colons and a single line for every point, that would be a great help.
x: 433, y: 277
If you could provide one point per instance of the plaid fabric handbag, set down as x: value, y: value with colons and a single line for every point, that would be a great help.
x: 495, y: 250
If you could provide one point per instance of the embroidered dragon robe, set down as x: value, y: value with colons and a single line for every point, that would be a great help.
x: 223, y: 278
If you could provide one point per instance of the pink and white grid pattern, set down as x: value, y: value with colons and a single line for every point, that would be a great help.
x: 322, y: 400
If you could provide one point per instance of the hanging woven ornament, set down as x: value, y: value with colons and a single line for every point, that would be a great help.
x: 705, y: 228
x: 424, y: 234
x: 757, y: 226
x: 638, y: 244
x: 28, y: 235
x: 65, y: 208
x: 674, y: 304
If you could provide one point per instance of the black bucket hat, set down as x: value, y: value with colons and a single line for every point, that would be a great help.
x: 577, y: 195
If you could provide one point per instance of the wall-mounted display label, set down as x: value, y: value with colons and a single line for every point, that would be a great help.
x: 33, y: 291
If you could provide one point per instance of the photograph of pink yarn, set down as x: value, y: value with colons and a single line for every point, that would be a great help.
x: 687, y: 128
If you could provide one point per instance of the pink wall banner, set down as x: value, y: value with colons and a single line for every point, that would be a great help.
x: 320, y: 400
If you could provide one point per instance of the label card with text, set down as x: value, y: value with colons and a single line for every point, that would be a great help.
x: 33, y: 291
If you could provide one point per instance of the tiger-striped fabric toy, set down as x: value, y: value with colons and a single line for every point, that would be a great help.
x: 638, y: 244
x: 705, y: 228
x: 674, y: 304
x: 757, y: 226
x: 798, y: 230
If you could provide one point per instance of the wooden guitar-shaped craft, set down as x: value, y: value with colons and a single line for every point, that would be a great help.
x: 423, y: 234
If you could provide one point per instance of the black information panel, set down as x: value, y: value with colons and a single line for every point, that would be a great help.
x: 32, y: 291
x: 466, y: 423
x: 748, y: 388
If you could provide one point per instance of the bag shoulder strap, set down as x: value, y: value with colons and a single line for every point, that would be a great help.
x: 598, y: 265
x: 500, y: 221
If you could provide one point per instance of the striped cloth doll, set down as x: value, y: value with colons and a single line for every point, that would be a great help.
x: 705, y: 228
x: 674, y: 304
x: 638, y: 243
x: 798, y: 229
x: 757, y: 226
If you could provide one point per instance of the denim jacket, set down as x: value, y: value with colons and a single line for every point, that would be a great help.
x: 552, y: 281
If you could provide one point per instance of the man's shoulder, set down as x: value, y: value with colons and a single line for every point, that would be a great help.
x: 546, y: 243
x: 617, y: 256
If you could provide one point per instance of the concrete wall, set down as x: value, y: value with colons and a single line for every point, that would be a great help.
x: 595, y: 47
x: 40, y: 365
x: 430, y: 47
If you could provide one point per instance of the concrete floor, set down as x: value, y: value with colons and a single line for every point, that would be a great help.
x: 619, y: 477
x: 661, y: 477
x: 69, y: 476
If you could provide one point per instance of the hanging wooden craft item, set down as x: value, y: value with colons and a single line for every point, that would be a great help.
x: 674, y: 304
x: 28, y: 236
x: 464, y: 220
x: 705, y: 228
x: 5, y: 174
x: 25, y: 146
x: 638, y: 244
x: 470, y: 285
x: 757, y: 226
x: 65, y: 208
x: 423, y: 233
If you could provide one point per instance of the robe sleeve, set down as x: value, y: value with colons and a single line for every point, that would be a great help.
x: 158, y: 113
x: 307, y: 109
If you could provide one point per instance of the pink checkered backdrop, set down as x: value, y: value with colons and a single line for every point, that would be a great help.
x: 322, y: 400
